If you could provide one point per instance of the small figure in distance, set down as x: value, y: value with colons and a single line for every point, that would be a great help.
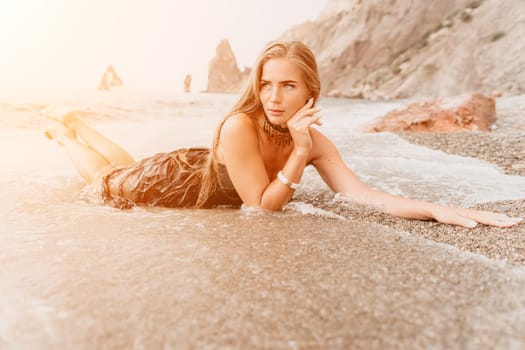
x: 187, y: 83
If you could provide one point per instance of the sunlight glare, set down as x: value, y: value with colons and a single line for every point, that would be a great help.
x: 152, y: 44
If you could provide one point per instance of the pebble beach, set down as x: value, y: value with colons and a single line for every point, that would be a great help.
x: 504, y: 146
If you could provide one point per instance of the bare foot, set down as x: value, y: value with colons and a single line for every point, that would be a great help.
x: 59, y: 132
x: 60, y: 113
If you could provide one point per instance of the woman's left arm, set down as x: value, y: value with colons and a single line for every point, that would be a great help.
x: 333, y: 170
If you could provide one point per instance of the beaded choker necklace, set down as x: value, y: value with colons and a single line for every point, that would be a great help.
x: 276, y: 132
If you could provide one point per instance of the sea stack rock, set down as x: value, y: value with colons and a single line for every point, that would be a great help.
x: 110, y: 79
x: 476, y: 112
x: 224, y: 76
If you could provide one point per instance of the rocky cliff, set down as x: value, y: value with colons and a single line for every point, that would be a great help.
x: 224, y: 75
x: 411, y: 48
x: 110, y: 79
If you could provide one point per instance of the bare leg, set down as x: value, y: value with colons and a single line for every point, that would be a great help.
x: 89, y: 163
x: 110, y: 151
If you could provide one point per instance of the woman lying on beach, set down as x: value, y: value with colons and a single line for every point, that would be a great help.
x: 259, y: 153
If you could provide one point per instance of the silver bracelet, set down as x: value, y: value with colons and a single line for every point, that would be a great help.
x: 286, y: 181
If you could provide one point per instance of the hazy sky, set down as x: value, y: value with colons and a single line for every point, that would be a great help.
x: 151, y: 43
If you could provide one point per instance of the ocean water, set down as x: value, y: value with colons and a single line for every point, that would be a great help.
x: 75, y: 273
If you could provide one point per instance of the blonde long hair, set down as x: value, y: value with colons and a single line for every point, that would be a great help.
x: 250, y: 103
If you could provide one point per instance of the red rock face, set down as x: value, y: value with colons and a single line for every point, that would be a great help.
x: 476, y: 112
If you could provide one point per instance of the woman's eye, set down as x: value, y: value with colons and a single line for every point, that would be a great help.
x: 289, y: 86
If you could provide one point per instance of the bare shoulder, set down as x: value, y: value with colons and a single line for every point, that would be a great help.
x: 237, y: 125
x: 238, y: 133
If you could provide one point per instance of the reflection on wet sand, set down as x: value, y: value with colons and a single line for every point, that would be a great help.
x: 224, y: 278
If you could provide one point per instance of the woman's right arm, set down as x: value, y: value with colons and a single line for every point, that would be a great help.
x: 239, y: 145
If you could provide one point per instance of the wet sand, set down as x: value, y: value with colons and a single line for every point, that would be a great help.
x: 504, y: 146
x: 80, y: 275
x: 251, y: 282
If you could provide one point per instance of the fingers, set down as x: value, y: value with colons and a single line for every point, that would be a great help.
x: 307, y: 121
x: 309, y: 103
x: 491, y: 219
x: 470, y: 218
x: 459, y: 220
x: 304, y: 114
x: 468, y: 223
x: 305, y: 111
x: 305, y: 118
x: 499, y: 221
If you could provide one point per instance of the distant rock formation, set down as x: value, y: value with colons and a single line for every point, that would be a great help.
x: 224, y: 75
x: 110, y: 79
x: 476, y: 112
x: 187, y: 83
x: 384, y: 49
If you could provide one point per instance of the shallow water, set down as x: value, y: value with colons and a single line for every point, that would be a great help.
x: 222, y: 278
x: 78, y: 274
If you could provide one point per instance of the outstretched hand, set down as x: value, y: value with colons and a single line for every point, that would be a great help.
x: 470, y: 217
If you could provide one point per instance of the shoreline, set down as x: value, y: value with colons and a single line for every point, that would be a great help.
x: 503, y: 146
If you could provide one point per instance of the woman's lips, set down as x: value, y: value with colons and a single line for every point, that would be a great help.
x: 275, y: 112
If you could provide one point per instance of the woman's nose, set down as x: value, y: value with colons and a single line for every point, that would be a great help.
x: 276, y: 95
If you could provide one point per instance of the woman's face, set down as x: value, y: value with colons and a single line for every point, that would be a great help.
x: 283, y: 90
